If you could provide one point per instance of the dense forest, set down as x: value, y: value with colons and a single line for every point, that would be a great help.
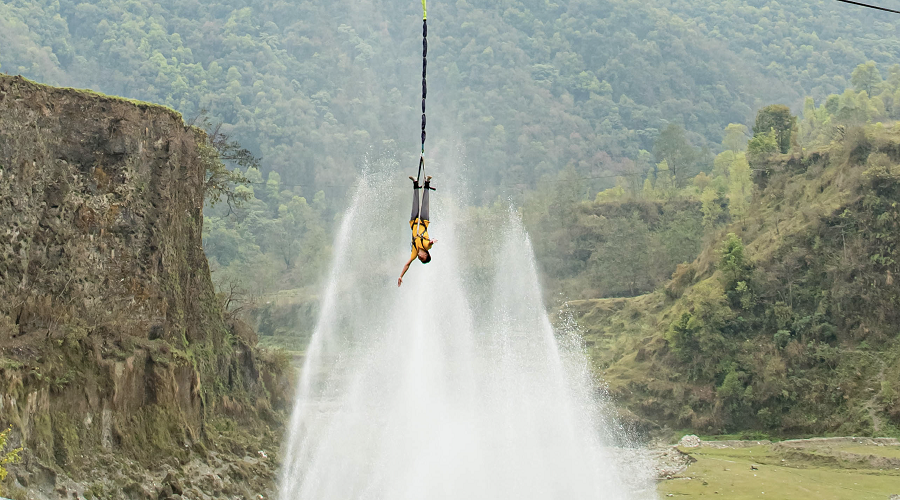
x: 524, y: 88
x: 531, y: 95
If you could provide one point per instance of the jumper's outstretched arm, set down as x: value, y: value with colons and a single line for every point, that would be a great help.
x: 405, y: 268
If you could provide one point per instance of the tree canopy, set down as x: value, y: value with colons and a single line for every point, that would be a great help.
x: 523, y: 88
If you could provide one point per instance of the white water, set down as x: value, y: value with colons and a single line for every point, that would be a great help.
x: 443, y: 388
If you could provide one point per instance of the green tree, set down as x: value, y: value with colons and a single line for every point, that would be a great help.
x: 273, y: 191
x: 865, y: 78
x: 682, y: 335
x: 287, y: 231
x: 854, y: 108
x: 647, y: 191
x: 762, y: 145
x: 622, y: 262
x: 815, y: 120
x: 696, y: 335
x: 665, y: 181
x: 776, y: 117
x: 632, y: 178
x: 673, y: 148
x: 586, y: 83
x: 732, y: 261
x: 222, y: 241
x: 736, y: 137
x: 721, y: 169
x: 735, y: 395
x: 711, y: 205
x: 740, y: 188
x: 217, y: 149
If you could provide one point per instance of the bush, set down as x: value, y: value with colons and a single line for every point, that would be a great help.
x: 761, y: 147
x: 697, y: 336
x: 782, y: 338
x: 10, y: 457
x: 682, y: 278
x: 856, y: 146
x: 733, y: 263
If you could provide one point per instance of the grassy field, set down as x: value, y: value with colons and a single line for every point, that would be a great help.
x: 890, y: 452
x: 819, y: 474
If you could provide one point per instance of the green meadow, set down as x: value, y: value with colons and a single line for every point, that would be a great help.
x: 820, y: 473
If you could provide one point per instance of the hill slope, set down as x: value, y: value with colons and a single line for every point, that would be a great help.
x: 788, y: 324
x: 525, y: 87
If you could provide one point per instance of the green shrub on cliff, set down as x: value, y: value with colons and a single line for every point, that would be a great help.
x: 9, y: 457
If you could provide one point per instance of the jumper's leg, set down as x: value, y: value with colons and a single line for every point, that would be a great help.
x: 415, y: 204
x: 428, y: 188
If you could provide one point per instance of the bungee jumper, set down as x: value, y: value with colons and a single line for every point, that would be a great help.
x: 418, y: 219
x: 418, y: 223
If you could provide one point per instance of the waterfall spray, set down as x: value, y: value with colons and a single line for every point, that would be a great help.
x: 450, y: 387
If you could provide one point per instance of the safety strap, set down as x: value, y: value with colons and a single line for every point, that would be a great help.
x: 424, y: 86
x: 416, y: 236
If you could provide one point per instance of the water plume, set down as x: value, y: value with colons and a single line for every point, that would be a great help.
x: 453, y: 386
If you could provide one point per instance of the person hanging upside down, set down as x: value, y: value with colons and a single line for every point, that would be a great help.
x: 418, y: 223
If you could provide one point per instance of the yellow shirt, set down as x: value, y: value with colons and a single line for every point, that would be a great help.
x: 420, y: 239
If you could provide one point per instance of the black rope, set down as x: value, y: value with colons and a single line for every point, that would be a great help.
x: 870, y: 6
x: 424, y: 93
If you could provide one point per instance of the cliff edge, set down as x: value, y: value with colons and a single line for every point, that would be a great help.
x: 119, y: 372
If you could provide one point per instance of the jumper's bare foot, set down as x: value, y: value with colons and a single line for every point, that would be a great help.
x: 427, y: 178
x: 412, y: 178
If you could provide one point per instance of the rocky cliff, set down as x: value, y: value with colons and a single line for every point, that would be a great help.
x: 119, y: 372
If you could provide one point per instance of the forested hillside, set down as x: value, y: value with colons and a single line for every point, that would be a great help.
x: 787, y: 321
x: 545, y: 102
x: 629, y: 238
x: 525, y: 88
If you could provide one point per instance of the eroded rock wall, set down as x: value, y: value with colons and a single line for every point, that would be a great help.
x: 112, y: 342
x: 101, y: 203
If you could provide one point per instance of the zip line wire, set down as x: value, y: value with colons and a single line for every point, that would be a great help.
x: 870, y: 6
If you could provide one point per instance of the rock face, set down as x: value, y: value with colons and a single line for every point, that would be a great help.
x: 669, y: 462
x: 689, y: 441
x: 101, y: 202
x: 113, y: 347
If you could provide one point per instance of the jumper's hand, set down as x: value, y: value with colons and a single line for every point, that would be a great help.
x: 399, y: 281
x: 434, y: 241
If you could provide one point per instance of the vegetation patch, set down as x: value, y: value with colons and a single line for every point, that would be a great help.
x: 785, y: 323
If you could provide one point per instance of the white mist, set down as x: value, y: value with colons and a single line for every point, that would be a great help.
x: 444, y: 389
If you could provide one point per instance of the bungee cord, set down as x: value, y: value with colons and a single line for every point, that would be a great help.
x: 424, y: 86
